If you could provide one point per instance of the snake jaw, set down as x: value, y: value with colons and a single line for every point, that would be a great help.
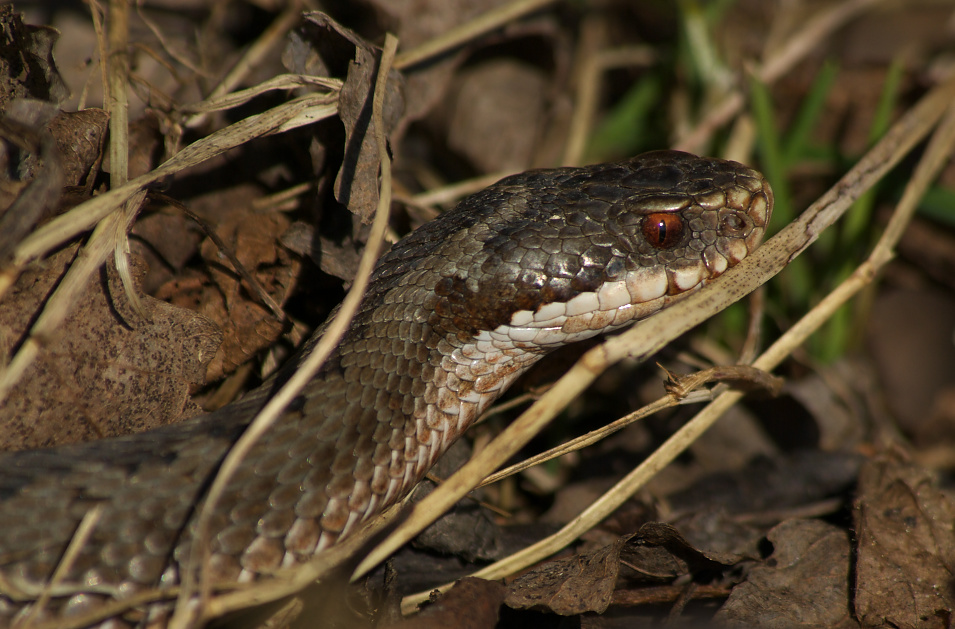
x: 715, y: 263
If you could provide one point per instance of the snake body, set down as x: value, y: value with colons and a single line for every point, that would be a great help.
x: 454, y: 313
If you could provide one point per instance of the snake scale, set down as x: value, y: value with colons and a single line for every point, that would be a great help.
x: 455, y: 312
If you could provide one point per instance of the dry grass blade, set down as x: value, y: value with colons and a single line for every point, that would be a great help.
x: 271, y: 37
x: 60, y: 304
x: 80, y: 537
x: 649, y: 336
x: 678, y: 389
x: 104, y: 612
x: 456, y: 36
x: 185, y: 614
x: 454, y: 192
x: 583, y: 441
x: 118, y: 106
x: 280, y: 82
x: 815, y: 31
x: 297, y: 112
x: 596, y: 65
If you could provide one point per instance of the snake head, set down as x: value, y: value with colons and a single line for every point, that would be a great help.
x: 548, y: 257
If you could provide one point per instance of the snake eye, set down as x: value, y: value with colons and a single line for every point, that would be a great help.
x: 662, y: 230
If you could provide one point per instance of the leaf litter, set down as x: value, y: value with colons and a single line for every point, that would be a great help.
x: 764, y: 542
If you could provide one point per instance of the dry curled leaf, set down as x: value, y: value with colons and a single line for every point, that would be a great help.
x: 578, y: 584
x: 905, y: 527
x: 27, y: 69
x: 805, y: 583
x: 107, y: 372
x: 586, y: 582
x: 470, y: 604
x: 322, y: 45
x: 248, y: 326
x: 79, y: 138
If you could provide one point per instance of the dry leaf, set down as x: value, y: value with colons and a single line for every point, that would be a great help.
x: 586, y: 582
x: 27, y: 69
x: 805, y: 583
x: 322, y: 45
x: 583, y: 583
x: 79, y: 138
x: 107, y: 372
x: 905, y: 531
x: 248, y: 326
x: 470, y: 604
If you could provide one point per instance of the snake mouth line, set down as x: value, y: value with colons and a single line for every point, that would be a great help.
x: 640, y: 293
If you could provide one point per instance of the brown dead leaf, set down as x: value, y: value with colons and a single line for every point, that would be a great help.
x: 323, y: 45
x: 167, y: 240
x: 338, y: 259
x: 586, y: 582
x: 248, y: 326
x: 32, y: 177
x: 470, y: 604
x: 905, y: 564
x: 501, y: 94
x: 79, y: 138
x: 107, y: 372
x: 659, y: 535
x: 578, y: 584
x: 805, y: 583
x: 27, y: 69
x: 733, y: 511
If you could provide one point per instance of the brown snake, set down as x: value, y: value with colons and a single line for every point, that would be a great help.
x: 454, y: 313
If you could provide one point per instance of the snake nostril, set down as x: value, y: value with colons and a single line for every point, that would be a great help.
x: 662, y: 230
x: 732, y: 224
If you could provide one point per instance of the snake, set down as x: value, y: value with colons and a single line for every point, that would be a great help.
x: 454, y: 313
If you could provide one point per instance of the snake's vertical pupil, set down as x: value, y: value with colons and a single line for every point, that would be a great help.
x: 662, y: 230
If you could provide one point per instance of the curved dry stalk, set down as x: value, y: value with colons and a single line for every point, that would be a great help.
x: 495, y: 18
x: 678, y: 390
x: 760, y: 266
x: 241, y: 97
x: 269, y: 38
x: 589, y: 88
x: 104, y: 612
x: 192, y: 587
x: 80, y: 537
x: 800, y: 44
x: 298, y: 112
x: 118, y: 107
